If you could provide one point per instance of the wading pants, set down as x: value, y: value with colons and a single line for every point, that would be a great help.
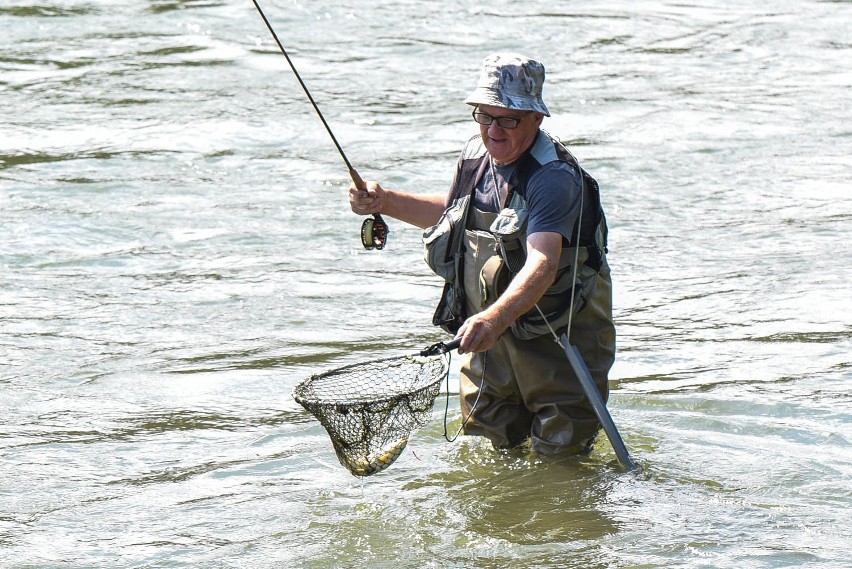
x: 526, y: 388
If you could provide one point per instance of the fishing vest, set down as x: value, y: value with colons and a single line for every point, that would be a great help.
x: 444, y: 246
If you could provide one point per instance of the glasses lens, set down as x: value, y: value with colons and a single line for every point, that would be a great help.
x: 507, y: 122
x: 482, y: 118
x: 503, y: 122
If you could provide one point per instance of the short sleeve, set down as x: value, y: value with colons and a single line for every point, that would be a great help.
x: 553, y: 199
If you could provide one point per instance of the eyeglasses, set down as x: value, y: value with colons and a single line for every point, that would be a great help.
x: 502, y: 122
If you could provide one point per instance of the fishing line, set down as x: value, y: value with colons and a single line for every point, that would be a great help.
x: 373, y: 231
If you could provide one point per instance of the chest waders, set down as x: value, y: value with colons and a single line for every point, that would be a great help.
x: 525, y: 387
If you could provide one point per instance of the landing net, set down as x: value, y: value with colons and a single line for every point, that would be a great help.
x: 370, y: 409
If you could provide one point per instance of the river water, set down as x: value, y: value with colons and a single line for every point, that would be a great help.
x: 177, y: 254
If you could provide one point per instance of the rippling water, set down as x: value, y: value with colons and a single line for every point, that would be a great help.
x: 177, y: 254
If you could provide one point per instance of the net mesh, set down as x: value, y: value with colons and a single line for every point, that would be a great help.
x: 370, y: 409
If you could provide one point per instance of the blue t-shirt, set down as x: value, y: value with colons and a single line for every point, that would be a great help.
x: 552, y: 195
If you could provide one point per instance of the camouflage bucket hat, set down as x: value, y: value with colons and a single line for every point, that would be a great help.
x: 511, y: 81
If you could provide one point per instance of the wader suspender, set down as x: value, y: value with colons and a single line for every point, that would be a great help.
x: 571, y: 351
x: 594, y: 216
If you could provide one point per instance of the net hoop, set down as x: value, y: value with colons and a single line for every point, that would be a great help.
x: 370, y: 409
x: 321, y: 389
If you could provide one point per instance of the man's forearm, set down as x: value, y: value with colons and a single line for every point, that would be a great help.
x: 523, y: 292
x: 422, y: 210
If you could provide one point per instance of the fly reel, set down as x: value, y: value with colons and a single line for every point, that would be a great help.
x: 374, y: 232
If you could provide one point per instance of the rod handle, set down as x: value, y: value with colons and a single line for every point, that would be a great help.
x: 356, y: 179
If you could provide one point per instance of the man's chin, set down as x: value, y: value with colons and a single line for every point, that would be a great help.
x: 497, y: 150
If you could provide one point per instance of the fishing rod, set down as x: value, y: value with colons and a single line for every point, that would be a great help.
x: 374, y: 231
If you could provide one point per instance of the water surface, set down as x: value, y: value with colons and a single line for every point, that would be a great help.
x: 177, y: 254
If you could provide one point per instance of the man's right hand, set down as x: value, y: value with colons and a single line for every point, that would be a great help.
x: 368, y: 200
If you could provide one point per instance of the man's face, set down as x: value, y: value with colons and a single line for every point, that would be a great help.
x: 507, y: 144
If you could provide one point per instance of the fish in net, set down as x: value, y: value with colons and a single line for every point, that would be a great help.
x: 370, y: 409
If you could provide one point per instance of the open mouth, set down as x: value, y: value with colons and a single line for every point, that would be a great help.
x: 498, y: 141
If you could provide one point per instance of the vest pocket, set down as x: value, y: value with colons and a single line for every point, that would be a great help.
x: 441, y: 241
x: 449, y: 314
x: 509, y: 230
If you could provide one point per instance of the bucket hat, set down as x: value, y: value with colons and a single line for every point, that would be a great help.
x: 511, y: 81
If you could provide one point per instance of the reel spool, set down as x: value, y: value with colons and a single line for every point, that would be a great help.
x: 374, y: 233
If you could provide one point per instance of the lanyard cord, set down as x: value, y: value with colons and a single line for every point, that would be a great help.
x: 472, y: 409
x: 498, y: 195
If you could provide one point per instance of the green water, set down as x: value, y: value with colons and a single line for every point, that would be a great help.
x: 177, y: 254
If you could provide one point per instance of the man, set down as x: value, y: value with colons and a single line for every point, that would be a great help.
x: 506, y: 238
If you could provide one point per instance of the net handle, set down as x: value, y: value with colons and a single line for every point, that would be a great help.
x: 441, y: 347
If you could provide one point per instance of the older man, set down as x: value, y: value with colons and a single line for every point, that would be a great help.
x: 521, y: 241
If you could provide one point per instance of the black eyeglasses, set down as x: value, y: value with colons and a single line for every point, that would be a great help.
x: 502, y: 122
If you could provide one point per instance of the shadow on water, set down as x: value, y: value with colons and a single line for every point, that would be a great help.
x: 164, y: 6
x: 47, y: 11
x: 467, y: 505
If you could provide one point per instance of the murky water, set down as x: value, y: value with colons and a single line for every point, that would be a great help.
x: 177, y: 254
